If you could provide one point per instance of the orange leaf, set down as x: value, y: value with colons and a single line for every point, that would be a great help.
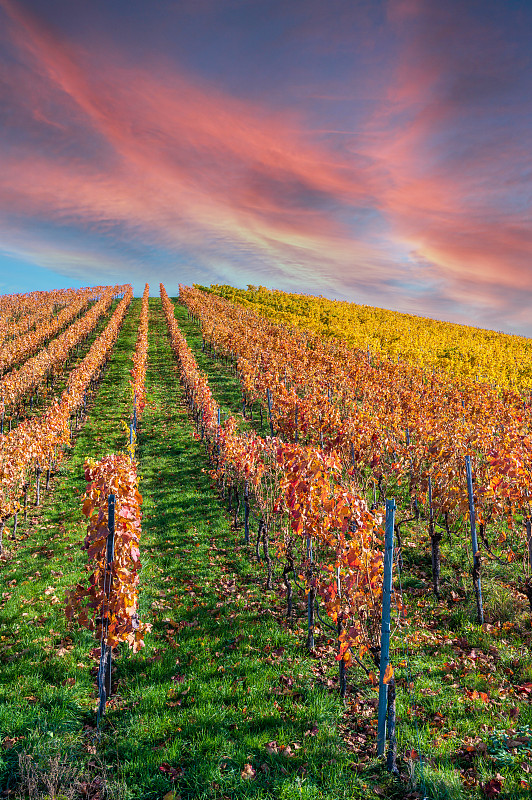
x: 388, y: 674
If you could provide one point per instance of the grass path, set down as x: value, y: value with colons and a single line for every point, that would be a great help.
x: 224, y: 385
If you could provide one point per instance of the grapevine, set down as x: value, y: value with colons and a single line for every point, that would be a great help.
x: 29, y: 343
x: 301, y: 494
x: 39, y: 439
x: 23, y: 380
x: 114, y: 474
x: 109, y: 605
x: 459, y: 351
x: 393, y: 424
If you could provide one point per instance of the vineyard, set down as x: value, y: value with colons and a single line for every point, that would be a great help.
x: 264, y: 545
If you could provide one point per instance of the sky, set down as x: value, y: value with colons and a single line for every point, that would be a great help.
x: 377, y: 151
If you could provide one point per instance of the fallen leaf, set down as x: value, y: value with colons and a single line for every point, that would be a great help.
x: 9, y: 742
x: 492, y: 788
x: 173, y: 772
x: 248, y: 773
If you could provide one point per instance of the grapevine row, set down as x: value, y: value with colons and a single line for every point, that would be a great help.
x: 39, y: 440
x: 27, y: 345
x: 456, y: 350
x: 390, y: 423
x: 109, y: 604
x: 310, y: 513
x: 18, y: 383
x: 16, y: 308
x: 32, y: 313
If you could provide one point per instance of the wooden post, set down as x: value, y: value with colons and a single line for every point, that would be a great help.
x: 528, y: 523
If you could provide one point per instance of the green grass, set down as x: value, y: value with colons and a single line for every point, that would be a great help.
x: 224, y: 384
x: 46, y: 689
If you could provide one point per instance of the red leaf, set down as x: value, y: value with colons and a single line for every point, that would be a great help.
x: 492, y: 788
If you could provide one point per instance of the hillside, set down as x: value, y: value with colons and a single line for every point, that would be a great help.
x: 264, y: 457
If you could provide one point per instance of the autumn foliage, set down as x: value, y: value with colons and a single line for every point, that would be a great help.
x: 459, y: 351
x: 109, y: 605
x: 303, y: 495
x: 26, y: 337
x: 18, y: 383
x: 39, y: 439
x: 90, y: 605
x: 391, y: 423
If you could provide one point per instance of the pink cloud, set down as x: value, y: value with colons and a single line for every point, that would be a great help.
x: 183, y: 164
x: 176, y: 162
x: 452, y: 171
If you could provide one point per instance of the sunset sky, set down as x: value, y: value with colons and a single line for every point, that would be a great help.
x: 379, y: 152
